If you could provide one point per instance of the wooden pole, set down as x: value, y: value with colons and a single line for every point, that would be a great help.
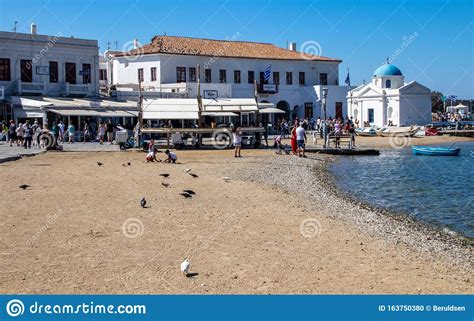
x: 140, y: 112
x: 199, y: 100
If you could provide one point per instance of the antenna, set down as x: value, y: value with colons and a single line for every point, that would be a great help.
x: 14, y: 28
x: 108, y: 45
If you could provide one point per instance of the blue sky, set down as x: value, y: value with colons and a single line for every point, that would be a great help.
x: 430, y: 41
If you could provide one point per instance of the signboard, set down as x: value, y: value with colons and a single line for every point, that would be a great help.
x: 2, y: 92
x: 211, y: 94
x: 42, y: 70
x: 269, y: 88
x: 84, y: 72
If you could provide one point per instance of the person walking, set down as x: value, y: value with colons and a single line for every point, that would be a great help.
x: 12, y: 133
x: 110, y: 131
x: 27, y: 134
x: 301, y: 139
x: 61, y: 131
x: 352, y: 137
x: 237, y: 135
x: 4, y: 131
x: 71, y: 131
x: 19, y: 134
x: 101, y: 132
x: 86, y: 132
x: 294, y: 146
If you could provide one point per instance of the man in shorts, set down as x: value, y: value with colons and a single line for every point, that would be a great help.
x: 301, y: 140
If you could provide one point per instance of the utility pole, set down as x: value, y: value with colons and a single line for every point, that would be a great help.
x: 140, y: 111
x: 199, y: 98
x: 256, y: 100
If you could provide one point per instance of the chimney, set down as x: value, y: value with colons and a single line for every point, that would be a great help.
x: 34, y: 30
x: 292, y: 46
x: 135, y: 43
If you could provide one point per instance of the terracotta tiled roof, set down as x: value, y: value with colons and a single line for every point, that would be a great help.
x: 220, y: 48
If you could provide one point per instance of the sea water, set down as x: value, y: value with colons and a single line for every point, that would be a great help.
x: 436, y: 190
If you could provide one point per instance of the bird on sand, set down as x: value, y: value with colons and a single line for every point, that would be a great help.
x: 185, y: 265
x: 123, y: 164
x: 143, y: 202
x: 165, y: 175
x: 190, y: 192
x: 166, y: 184
x: 193, y: 175
x: 99, y: 163
x: 129, y: 163
x: 24, y: 186
x: 186, y: 195
x: 188, y: 170
x: 226, y: 179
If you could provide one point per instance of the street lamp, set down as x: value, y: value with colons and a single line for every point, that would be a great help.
x: 325, y: 96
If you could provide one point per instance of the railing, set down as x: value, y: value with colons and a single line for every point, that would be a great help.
x: 77, y: 89
x: 31, y: 88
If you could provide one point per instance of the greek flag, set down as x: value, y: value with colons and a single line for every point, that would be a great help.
x: 348, y: 79
x: 453, y: 97
x: 267, y: 73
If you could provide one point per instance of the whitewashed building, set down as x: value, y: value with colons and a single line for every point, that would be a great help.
x: 168, y: 67
x: 388, y: 99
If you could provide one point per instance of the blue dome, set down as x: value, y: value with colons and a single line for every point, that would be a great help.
x: 387, y: 70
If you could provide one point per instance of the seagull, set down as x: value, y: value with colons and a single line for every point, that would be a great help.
x: 188, y: 170
x: 165, y: 184
x: 185, y: 265
x: 24, y: 186
x: 165, y: 175
x: 143, y: 202
x: 193, y: 175
x: 227, y: 179
x: 186, y: 195
x: 190, y: 192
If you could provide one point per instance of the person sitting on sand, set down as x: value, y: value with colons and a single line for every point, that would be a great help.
x: 151, y: 156
x: 172, y: 158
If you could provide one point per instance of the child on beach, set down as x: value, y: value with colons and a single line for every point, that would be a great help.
x: 151, y: 156
x: 172, y: 158
x: 237, y: 133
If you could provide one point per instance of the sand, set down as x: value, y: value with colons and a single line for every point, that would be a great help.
x: 80, y: 229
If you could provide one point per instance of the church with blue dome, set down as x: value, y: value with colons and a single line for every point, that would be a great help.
x: 389, y: 101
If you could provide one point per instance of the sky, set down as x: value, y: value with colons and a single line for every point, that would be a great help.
x: 430, y: 41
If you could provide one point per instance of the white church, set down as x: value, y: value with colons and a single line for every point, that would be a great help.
x: 387, y: 99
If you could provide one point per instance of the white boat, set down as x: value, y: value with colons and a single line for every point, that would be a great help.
x: 368, y: 131
x: 398, y: 131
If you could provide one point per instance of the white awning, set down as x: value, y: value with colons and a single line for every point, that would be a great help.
x: 184, y: 108
x: 219, y: 114
x: 165, y: 115
x: 27, y: 113
x: 271, y: 111
x: 229, y: 105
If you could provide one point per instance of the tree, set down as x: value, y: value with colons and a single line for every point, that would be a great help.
x: 437, y: 101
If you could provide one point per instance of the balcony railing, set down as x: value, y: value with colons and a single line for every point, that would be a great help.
x: 77, y: 89
x: 31, y: 88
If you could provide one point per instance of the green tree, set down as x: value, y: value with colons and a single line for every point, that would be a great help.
x: 436, y: 101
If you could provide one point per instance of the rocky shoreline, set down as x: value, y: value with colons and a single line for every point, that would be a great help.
x: 289, y: 173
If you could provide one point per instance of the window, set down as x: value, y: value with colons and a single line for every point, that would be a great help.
x: 339, y: 109
x: 207, y: 75
x: 323, y: 79
x: 388, y: 83
x: 289, y: 78
x: 276, y: 78
x: 180, y: 74
x: 262, y: 78
x: 251, y: 77
x: 53, y: 72
x: 70, y: 69
x: 192, y: 74
x: 236, y: 76
x: 140, y: 75
x: 371, y: 115
x: 86, y: 73
x: 103, y: 74
x: 308, y: 110
x: 26, y: 67
x: 222, y: 76
x: 301, y: 78
x: 5, y: 69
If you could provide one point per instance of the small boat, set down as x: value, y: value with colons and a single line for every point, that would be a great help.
x: 368, y: 131
x: 431, y: 132
x: 398, y: 131
x: 435, y: 151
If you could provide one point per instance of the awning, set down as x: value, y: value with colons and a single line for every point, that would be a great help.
x: 219, y: 114
x: 27, y: 113
x: 271, y: 111
x: 229, y: 105
x: 185, y: 108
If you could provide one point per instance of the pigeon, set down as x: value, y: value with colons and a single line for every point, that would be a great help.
x: 99, y: 163
x: 165, y: 184
x: 165, y: 175
x: 188, y: 170
x: 123, y: 164
x: 185, y: 265
x: 186, y: 195
x: 129, y: 163
x: 143, y: 202
x: 190, y: 192
x: 24, y: 186
x: 193, y: 175
x: 226, y: 179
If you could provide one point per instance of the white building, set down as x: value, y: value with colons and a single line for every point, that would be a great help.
x: 168, y: 67
x: 389, y: 99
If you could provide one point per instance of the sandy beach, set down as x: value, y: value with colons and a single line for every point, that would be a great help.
x: 275, y: 227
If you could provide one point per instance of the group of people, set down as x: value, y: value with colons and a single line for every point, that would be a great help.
x: 152, y: 151
x: 22, y: 134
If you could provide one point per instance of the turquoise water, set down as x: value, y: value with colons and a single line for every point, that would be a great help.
x: 433, y: 189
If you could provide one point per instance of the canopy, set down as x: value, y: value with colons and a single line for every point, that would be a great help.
x: 458, y: 108
x: 219, y: 114
x: 271, y: 111
x: 229, y: 105
x: 166, y: 108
